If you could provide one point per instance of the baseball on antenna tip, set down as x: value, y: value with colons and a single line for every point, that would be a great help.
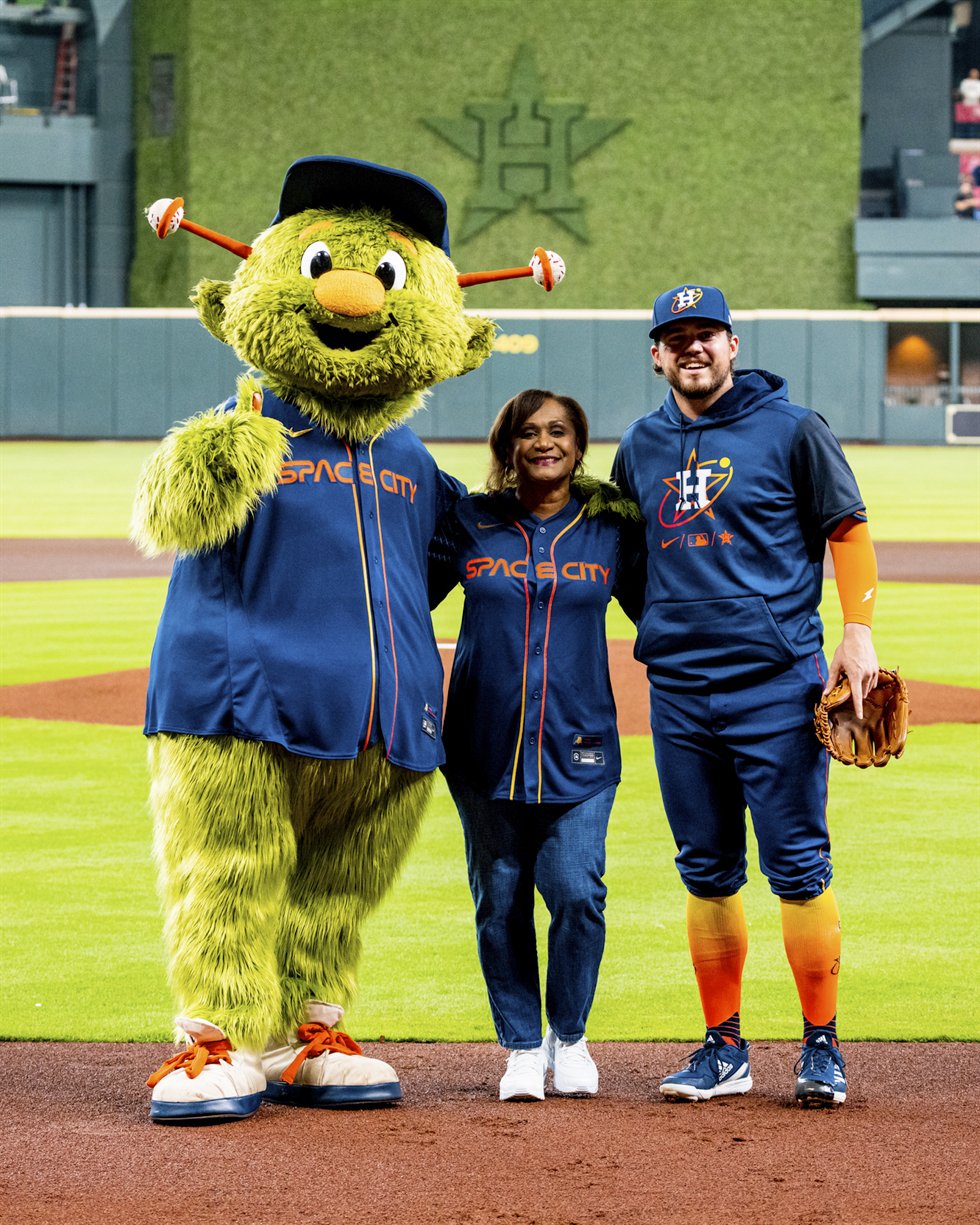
x: 166, y: 216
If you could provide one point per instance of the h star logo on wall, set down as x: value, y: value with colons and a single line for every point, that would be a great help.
x: 525, y: 148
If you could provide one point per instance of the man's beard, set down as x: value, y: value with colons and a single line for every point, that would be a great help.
x: 702, y: 390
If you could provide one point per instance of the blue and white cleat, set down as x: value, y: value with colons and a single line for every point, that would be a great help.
x: 716, y: 1069
x: 820, y: 1073
x: 210, y: 1081
x: 317, y: 1065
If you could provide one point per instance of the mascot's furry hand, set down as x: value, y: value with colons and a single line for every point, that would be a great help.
x: 207, y: 478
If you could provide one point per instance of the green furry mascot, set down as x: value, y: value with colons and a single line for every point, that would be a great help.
x: 294, y: 706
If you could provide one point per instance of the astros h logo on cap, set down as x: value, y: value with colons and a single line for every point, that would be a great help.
x: 687, y: 301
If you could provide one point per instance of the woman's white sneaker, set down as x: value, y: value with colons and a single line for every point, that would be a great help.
x: 574, y: 1069
x: 524, y: 1079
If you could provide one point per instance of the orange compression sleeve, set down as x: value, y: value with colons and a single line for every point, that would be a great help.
x: 856, y: 570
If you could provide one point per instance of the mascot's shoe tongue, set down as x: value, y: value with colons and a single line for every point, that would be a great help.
x: 319, y: 1066
x: 209, y: 1081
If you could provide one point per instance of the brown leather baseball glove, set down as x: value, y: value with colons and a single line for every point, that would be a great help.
x: 880, y: 732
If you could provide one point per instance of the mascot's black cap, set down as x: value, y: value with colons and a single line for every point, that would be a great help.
x: 344, y: 182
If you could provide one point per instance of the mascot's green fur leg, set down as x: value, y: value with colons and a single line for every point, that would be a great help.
x: 225, y: 848
x: 355, y: 822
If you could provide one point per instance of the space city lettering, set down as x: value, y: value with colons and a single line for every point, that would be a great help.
x: 295, y: 471
x: 580, y: 571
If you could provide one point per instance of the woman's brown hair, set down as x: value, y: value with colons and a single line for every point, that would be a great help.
x: 510, y: 419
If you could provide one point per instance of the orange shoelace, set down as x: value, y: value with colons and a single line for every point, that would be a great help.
x: 318, y: 1039
x: 193, y: 1059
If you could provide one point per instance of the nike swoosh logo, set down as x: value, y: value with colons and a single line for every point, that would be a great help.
x: 299, y: 433
x: 488, y: 524
x: 665, y: 543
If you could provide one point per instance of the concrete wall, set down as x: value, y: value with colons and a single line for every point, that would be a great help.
x: 66, y: 190
x: 905, y: 92
x: 133, y: 373
x: 906, y: 258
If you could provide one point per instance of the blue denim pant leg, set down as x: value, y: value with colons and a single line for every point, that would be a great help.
x: 560, y: 848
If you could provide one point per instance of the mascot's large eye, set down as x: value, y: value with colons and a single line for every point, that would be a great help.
x: 391, y: 270
x: 316, y: 260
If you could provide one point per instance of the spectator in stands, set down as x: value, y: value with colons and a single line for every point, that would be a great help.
x: 965, y: 203
x: 970, y: 88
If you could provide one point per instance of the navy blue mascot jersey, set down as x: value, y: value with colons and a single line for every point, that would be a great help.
x: 310, y: 628
x: 738, y: 507
x: 531, y: 715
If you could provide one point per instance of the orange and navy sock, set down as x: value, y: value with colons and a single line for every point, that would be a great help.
x: 718, y: 938
x: 731, y: 1030
x: 811, y: 937
x: 811, y: 1031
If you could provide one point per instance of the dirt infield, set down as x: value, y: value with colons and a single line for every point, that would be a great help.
x: 76, y: 1146
x: 26, y: 560
x: 119, y: 697
x: 32, y: 561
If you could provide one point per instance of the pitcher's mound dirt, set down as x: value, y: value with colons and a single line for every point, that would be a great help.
x: 76, y: 1145
x: 119, y: 697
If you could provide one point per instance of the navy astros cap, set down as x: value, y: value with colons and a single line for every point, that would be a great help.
x: 687, y: 302
x: 345, y: 182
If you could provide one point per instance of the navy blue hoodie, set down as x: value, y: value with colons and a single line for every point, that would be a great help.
x: 738, y: 508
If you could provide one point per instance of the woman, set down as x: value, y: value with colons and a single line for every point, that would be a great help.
x: 530, y: 727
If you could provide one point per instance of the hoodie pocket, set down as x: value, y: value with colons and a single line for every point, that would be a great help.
x: 692, y: 644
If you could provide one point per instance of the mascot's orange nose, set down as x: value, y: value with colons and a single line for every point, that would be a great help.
x: 349, y: 293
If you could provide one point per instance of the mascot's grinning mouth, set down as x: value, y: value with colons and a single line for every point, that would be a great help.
x: 341, y: 338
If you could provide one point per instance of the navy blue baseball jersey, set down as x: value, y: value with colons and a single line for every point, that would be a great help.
x: 310, y: 628
x: 530, y: 715
x: 745, y: 498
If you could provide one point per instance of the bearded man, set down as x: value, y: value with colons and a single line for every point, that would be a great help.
x: 741, y: 490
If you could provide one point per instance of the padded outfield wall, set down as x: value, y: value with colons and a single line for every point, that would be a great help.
x: 132, y: 373
x: 648, y: 141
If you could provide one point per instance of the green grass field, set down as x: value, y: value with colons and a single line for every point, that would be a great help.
x: 82, y: 951
x: 81, y: 930
x: 68, y: 489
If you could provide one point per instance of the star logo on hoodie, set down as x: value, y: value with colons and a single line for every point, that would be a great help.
x: 695, y: 489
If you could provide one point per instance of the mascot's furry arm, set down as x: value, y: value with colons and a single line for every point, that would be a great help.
x: 199, y: 489
x: 604, y: 497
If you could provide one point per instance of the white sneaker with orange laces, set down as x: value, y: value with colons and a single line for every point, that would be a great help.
x: 210, y: 1080
x: 320, y: 1066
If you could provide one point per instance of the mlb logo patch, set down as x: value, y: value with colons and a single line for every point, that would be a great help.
x: 685, y: 300
x: 698, y: 541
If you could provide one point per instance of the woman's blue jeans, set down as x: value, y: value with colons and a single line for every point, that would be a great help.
x: 560, y: 848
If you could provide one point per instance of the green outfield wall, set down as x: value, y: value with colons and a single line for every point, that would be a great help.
x: 132, y: 373
x: 650, y: 142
